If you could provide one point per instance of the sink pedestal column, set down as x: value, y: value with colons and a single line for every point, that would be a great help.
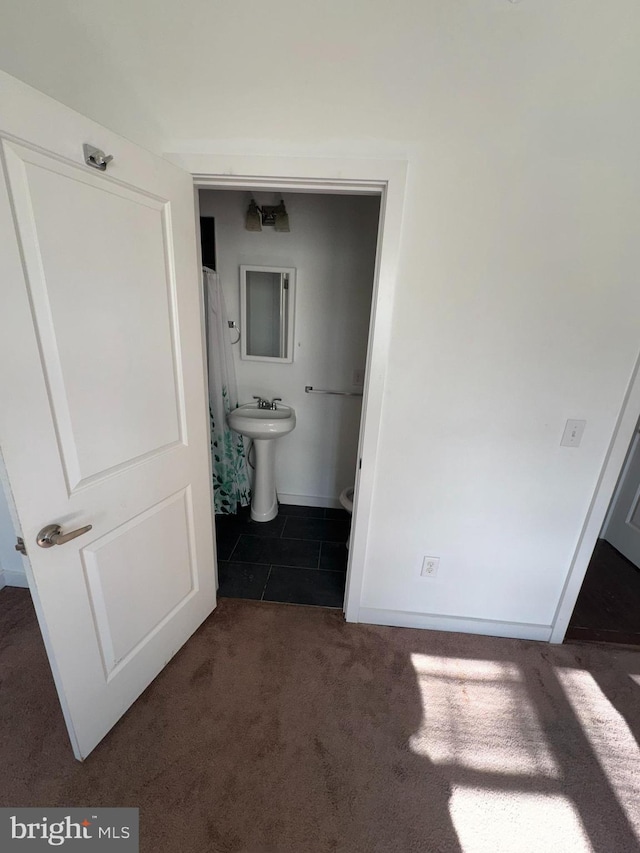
x: 264, y: 500
x: 264, y: 425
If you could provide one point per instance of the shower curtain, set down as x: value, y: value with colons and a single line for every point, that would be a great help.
x: 230, y: 477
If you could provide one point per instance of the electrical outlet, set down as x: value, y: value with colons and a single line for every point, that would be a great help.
x: 572, y: 435
x: 430, y: 567
x: 358, y: 377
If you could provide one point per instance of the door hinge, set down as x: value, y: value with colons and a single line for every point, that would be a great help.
x: 360, y: 464
x: 20, y: 546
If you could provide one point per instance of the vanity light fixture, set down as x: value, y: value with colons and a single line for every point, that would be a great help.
x: 281, y: 217
x: 268, y: 214
x: 253, y: 221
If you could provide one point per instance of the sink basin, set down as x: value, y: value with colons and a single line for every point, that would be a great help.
x: 262, y: 424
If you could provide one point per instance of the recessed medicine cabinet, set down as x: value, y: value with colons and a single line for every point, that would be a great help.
x: 267, y: 302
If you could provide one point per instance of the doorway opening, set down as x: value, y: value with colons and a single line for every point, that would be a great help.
x: 608, y: 605
x: 300, y: 555
x: 12, y: 562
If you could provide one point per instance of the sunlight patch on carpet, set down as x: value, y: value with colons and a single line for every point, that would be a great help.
x: 531, y: 822
x: 477, y: 715
x: 609, y: 736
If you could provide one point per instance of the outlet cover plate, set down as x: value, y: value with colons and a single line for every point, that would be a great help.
x: 430, y: 566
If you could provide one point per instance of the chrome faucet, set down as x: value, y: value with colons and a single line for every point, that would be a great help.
x: 265, y: 404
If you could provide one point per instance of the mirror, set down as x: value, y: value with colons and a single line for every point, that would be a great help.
x: 266, y: 313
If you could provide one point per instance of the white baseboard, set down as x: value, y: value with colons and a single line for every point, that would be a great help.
x: 8, y: 578
x: 309, y: 500
x: 433, y: 622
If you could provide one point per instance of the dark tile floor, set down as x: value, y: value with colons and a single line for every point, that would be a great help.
x: 298, y: 558
x: 608, y: 607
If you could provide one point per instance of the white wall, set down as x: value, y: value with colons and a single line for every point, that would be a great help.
x: 517, y: 302
x: 12, y: 571
x: 332, y: 245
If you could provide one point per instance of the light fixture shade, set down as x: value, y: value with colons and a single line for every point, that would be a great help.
x: 282, y: 217
x: 253, y: 221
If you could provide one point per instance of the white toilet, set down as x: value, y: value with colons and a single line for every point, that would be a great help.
x: 346, y: 499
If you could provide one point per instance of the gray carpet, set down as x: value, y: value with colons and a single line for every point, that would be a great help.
x: 281, y: 729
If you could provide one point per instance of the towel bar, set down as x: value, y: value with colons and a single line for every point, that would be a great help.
x: 309, y: 389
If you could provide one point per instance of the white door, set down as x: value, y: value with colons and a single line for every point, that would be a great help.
x: 623, y: 527
x: 103, y: 409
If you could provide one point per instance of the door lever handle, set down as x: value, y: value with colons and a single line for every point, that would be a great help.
x: 52, y: 535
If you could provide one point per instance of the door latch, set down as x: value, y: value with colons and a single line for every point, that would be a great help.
x: 20, y: 546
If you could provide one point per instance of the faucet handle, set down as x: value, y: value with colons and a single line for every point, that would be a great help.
x: 274, y: 401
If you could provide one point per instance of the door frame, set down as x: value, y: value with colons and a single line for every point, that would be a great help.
x: 347, y: 176
x: 610, y: 473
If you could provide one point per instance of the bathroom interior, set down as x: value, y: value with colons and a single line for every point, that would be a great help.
x: 288, y: 281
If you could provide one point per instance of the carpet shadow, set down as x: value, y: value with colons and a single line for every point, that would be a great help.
x: 625, y: 697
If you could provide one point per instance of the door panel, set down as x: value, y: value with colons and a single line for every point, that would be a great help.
x: 623, y: 527
x: 102, y: 363
x: 634, y: 517
x: 106, y: 330
x: 130, y: 559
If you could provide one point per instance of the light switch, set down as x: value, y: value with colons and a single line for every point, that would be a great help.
x: 572, y: 435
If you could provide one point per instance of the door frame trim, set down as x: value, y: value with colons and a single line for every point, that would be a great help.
x: 387, y: 179
x: 610, y: 473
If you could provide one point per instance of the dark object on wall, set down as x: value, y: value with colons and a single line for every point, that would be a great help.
x: 208, y: 241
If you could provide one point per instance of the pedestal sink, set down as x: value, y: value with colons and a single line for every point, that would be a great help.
x: 263, y: 426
